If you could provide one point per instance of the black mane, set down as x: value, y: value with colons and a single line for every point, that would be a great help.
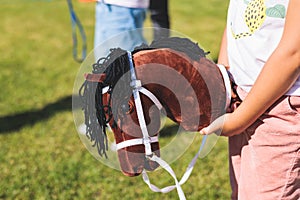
x: 116, y: 66
x: 183, y: 45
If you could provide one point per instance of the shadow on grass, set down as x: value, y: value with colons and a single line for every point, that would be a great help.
x: 11, y: 123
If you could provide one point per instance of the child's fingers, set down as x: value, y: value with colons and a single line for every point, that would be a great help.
x: 204, y: 131
x: 215, y: 126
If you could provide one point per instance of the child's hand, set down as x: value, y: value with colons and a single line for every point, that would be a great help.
x: 217, y: 126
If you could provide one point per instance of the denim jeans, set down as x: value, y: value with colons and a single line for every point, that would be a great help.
x: 117, y: 26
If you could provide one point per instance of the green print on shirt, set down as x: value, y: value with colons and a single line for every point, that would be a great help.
x: 256, y: 13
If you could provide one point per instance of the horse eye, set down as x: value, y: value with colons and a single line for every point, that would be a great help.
x: 126, y: 108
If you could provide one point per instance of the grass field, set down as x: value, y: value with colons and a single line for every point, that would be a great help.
x: 41, y: 155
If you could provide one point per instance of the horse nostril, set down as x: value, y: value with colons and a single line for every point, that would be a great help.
x: 136, y: 171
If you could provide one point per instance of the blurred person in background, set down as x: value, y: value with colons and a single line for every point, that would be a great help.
x: 159, y: 13
x: 122, y: 21
x: 119, y: 18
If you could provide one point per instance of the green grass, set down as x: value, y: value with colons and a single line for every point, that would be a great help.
x: 41, y: 155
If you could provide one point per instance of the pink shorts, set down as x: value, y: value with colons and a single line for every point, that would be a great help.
x: 265, y: 159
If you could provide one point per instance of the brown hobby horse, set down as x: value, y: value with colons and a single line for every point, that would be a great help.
x: 202, y: 96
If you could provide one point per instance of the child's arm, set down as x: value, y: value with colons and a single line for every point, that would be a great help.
x: 278, y: 75
x: 223, y: 58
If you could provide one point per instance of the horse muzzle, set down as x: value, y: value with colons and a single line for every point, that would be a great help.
x: 133, y: 159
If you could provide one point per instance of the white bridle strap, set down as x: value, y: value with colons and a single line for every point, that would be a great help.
x: 226, y: 83
x: 138, y: 141
x: 136, y: 84
x: 151, y: 96
x: 105, y: 90
x: 133, y: 142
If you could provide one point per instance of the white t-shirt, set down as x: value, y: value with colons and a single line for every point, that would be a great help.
x: 254, y: 29
x: 128, y: 3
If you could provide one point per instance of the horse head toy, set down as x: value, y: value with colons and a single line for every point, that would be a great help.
x: 127, y: 91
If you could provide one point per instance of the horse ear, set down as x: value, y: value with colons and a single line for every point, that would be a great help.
x: 95, y: 77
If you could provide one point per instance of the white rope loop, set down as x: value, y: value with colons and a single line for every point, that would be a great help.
x: 167, y: 167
